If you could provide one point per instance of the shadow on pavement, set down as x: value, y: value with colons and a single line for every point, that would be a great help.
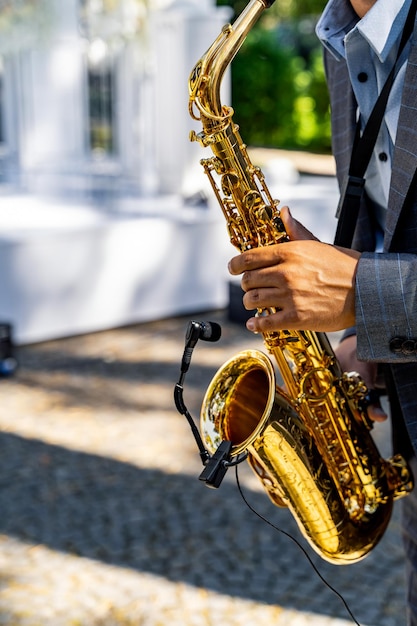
x: 170, y: 525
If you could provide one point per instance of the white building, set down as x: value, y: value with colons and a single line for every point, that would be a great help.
x: 97, y: 228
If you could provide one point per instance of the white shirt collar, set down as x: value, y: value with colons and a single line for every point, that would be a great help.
x: 380, y: 26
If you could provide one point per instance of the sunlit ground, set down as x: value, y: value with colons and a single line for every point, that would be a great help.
x: 104, y: 521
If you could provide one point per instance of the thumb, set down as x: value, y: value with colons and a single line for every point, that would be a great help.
x: 375, y: 411
x: 295, y: 230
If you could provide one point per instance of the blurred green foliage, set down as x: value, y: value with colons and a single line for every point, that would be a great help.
x: 281, y: 9
x: 279, y: 91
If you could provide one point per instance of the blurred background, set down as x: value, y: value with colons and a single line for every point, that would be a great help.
x: 102, y: 190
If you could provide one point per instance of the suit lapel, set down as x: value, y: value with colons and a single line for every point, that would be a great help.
x: 343, y: 106
x: 405, y: 152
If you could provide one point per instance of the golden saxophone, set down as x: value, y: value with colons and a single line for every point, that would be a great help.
x: 311, y: 445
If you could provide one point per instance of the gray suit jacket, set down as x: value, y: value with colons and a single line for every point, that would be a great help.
x: 386, y: 283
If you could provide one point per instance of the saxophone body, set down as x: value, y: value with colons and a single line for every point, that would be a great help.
x: 310, y: 445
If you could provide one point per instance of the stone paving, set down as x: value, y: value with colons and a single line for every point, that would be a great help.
x: 104, y: 521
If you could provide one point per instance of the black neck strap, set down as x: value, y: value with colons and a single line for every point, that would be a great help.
x: 352, y: 190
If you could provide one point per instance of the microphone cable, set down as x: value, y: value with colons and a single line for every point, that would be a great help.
x: 300, y: 546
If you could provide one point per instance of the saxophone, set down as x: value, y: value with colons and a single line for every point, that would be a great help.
x: 310, y: 445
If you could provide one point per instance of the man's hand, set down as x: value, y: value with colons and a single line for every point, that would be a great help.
x: 311, y: 284
x: 346, y: 355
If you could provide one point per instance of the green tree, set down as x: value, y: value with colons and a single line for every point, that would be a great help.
x: 282, y: 9
x: 278, y: 84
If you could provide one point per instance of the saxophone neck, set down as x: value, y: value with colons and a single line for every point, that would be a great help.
x: 206, y: 77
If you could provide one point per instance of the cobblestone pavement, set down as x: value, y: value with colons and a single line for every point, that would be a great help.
x: 104, y: 521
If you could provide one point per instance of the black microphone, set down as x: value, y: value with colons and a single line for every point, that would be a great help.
x: 207, y: 331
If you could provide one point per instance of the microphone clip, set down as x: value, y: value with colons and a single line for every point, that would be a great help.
x: 217, y: 466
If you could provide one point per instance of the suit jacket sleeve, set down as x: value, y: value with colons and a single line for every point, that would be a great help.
x: 386, y: 307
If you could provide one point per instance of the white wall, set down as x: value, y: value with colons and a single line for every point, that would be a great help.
x: 181, y: 36
x: 84, y: 271
x: 73, y: 264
